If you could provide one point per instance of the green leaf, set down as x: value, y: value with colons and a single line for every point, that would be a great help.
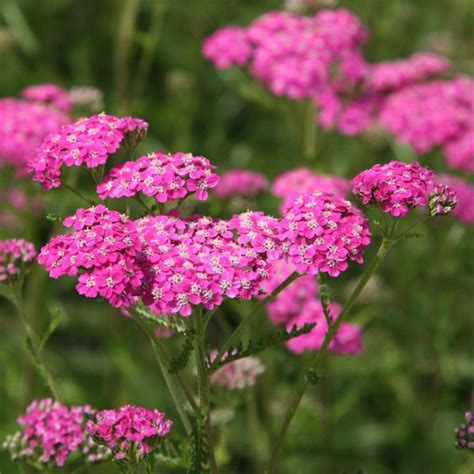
x: 324, y: 297
x: 179, y: 362
x: 313, y: 377
x: 240, y: 351
x: 7, y: 292
x: 169, y: 455
x: 54, y: 217
x: 52, y: 325
x: 165, y: 320
x: 199, y: 451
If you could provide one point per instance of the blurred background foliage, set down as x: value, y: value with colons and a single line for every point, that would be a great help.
x: 391, y: 410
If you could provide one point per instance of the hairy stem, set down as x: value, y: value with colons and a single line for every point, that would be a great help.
x: 36, y: 348
x: 246, y: 321
x: 203, y: 387
x: 319, y: 356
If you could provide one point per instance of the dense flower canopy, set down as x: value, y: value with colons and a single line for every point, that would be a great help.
x: 50, y: 94
x: 241, y: 183
x: 88, y: 141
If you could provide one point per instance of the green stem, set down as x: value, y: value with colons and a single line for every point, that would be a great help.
x: 319, y: 356
x: 246, y: 321
x: 163, y: 363
x: 309, y: 131
x: 79, y: 194
x: 203, y: 386
x: 140, y: 200
x: 36, y: 349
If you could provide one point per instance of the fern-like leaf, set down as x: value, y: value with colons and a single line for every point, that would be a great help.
x: 164, y: 320
x: 324, y: 297
x: 179, y: 362
x: 199, y: 450
x: 240, y: 350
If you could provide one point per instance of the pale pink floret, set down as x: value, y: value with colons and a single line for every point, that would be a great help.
x: 348, y: 338
x: 241, y: 183
x: 130, y: 431
x: 15, y: 254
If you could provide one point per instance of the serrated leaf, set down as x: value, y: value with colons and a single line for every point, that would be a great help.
x: 240, y: 351
x: 199, y: 451
x: 324, y: 297
x: 179, y: 362
x: 313, y: 377
x: 165, y: 320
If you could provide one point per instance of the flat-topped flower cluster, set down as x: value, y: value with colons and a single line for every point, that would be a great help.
x: 130, y: 432
x: 88, y: 141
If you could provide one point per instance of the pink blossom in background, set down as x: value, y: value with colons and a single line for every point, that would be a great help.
x: 464, y: 191
x: 348, y: 338
x: 49, y: 94
x: 129, y: 431
x: 238, y: 375
x: 51, y: 433
x: 14, y: 255
x: 165, y: 177
x: 241, y: 183
x: 227, y: 47
x: 23, y: 126
x: 322, y: 233
x: 88, y: 141
x: 288, y: 303
x: 396, y: 187
x: 465, y: 433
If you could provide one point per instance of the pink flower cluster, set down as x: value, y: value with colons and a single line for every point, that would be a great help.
x: 238, y: 375
x: 288, y: 303
x: 88, y: 141
x: 293, y: 55
x: 49, y: 94
x: 464, y: 191
x: 348, y: 339
x: 14, y: 255
x: 321, y: 233
x: 393, y: 75
x: 23, y: 127
x: 171, y: 263
x: 303, y: 180
x: 163, y: 176
x: 396, y: 186
x: 439, y: 113
x: 241, y: 183
x: 14, y: 202
x: 52, y: 432
x: 130, y: 432
x: 465, y: 433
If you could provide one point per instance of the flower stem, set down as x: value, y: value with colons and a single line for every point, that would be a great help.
x: 79, y: 194
x: 203, y: 386
x: 140, y: 200
x: 36, y: 348
x: 309, y: 131
x: 246, y: 321
x: 163, y: 362
x: 319, y: 356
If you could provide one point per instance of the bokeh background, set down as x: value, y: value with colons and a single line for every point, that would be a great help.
x: 391, y: 410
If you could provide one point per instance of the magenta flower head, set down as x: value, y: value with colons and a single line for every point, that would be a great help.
x: 164, y: 177
x: 52, y: 433
x: 227, y: 47
x: 15, y: 257
x: 89, y: 141
x: 49, y: 94
x: 241, y: 183
x: 23, y: 126
x: 397, y: 187
x: 321, y: 232
x: 130, y: 432
x: 348, y: 338
x: 464, y: 191
x: 465, y: 433
x: 237, y: 375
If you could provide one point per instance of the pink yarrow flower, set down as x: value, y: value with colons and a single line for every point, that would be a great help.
x: 130, y: 432
x: 89, y: 141
x: 464, y: 191
x: 241, y: 183
x: 15, y: 255
x: 465, y: 433
x: 49, y: 94
x: 164, y: 177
